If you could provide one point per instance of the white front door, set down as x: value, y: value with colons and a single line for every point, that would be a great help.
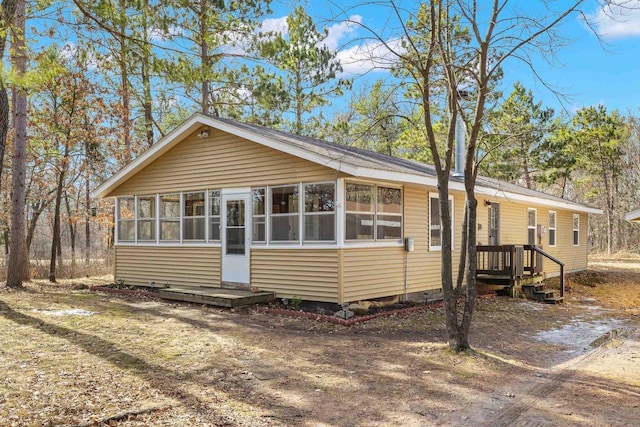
x: 236, y: 238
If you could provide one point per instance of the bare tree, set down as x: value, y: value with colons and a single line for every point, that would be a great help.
x: 451, y: 53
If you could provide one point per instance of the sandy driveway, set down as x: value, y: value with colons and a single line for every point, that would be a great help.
x: 163, y: 364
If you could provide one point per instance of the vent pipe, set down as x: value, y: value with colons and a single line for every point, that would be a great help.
x: 461, y: 135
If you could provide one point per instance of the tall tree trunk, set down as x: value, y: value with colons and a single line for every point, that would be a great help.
x: 88, y: 212
x: 72, y: 232
x: 7, y: 14
x: 124, y: 80
x: 147, y: 102
x: 16, y: 252
x: 56, y: 243
x: 205, y: 58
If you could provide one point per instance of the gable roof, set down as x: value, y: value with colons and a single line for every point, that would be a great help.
x: 350, y: 160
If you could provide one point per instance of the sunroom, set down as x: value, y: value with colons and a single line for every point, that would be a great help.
x: 283, y: 215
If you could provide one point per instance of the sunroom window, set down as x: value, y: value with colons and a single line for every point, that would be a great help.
x: 193, y: 216
x: 259, y: 215
x: 319, y: 212
x: 576, y: 229
x: 389, y: 214
x: 126, y: 219
x: 360, y: 211
x: 214, y: 215
x: 146, y: 215
x: 285, y: 218
x: 170, y: 217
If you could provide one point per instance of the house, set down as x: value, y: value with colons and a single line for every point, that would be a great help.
x: 219, y: 203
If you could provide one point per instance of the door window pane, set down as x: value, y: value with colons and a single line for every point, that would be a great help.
x: 235, y: 228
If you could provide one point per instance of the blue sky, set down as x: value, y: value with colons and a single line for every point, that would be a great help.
x: 587, y: 70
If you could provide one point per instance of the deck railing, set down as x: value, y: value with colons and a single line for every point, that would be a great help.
x: 514, y: 261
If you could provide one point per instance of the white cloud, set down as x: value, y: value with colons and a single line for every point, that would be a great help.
x: 337, y: 31
x: 618, y: 19
x: 276, y: 25
x: 370, y: 56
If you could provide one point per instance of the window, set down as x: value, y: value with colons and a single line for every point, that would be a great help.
x: 126, y: 219
x: 552, y: 228
x: 576, y: 229
x: 258, y: 215
x: 214, y: 215
x: 531, y: 226
x: 146, y: 215
x: 193, y: 216
x: 319, y: 212
x: 170, y: 217
x: 285, y: 217
x: 360, y: 210
x: 435, y: 229
x: 389, y: 214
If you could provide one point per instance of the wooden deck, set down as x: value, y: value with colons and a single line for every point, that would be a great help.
x: 219, y: 297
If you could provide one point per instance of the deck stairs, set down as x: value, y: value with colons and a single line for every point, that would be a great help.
x: 532, y: 287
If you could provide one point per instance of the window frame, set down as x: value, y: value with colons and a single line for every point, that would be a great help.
x: 534, y: 227
x: 264, y: 215
x: 304, y: 214
x: 554, y: 228
x: 436, y: 196
x: 372, y: 212
x: 282, y: 215
x: 375, y: 213
x: 184, y: 217
x: 399, y: 215
x: 170, y: 218
x: 209, y: 216
x: 152, y: 219
x: 119, y: 219
x: 576, y: 230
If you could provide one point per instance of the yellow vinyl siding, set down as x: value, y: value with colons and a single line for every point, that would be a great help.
x: 379, y: 271
x: 513, y: 231
x: 191, y: 266
x: 310, y: 274
x: 221, y: 161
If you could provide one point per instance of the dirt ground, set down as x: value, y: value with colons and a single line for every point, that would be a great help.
x: 76, y: 357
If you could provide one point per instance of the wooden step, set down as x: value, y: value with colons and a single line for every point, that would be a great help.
x: 553, y: 300
x: 216, y: 296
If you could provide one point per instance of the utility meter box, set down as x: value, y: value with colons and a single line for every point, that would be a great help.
x: 541, y: 231
x: 409, y: 245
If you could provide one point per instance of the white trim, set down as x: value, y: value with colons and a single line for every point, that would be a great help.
x: 232, y: 191
x: 341, y: 216
x: 323, y: 245
x: 509, y: 196
x: 554, y: 228
x: 436, y: 196
x: 198, y: 120
x: 574, y: 229
x: 171, y: 244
